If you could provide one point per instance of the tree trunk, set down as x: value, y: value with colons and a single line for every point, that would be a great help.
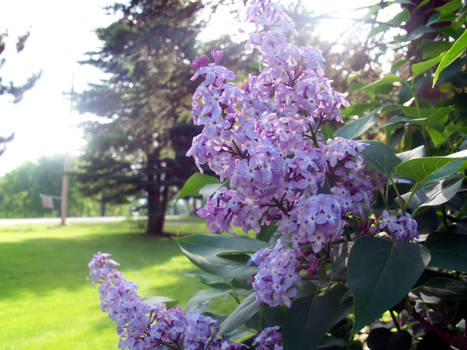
x: 155, y: 202
x: 103, y: 206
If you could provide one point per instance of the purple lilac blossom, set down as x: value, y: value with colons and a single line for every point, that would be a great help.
x: 278, y: 273
x: 269, y: 339
x: 264, y: 138
x: 142, y: 326
x: 402, y: 228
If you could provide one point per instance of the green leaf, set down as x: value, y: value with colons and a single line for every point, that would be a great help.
x: 449, y: 7
x: 397, y: 120
x: 433, y: 49
x: 400, y: 18
x: 210, y: 279
x: 205, y: 250
x: 352, y: 77
x: 380, y: 157
x: 418, y: 33
x: 448, y: 251
x: 387, y: 80
x: 423, y: 3
x: 437, y: 137
x: 266, y: 232
x: 430, y: 113
x: 379, y: 285
x: 422, y: 67
x: 415, y: 153
x: 450, y: 56
x: 357, y: 109
x: 429, y: 170
x: 195, y: 183
x: 355, y: 87
x: 444, y: 288
x: 371, y: 11
x: 244, y: 311
x: 203, y: 297
x: 357, y: 127
x: 438, y: 195
x: 309, y: 318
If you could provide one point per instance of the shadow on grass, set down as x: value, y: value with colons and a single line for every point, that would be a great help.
x: 40, y: 265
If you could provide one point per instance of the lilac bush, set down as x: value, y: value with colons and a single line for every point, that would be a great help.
x: 265, y: 140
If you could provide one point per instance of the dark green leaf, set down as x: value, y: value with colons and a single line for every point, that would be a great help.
x: 448, y: 251
x: 430, y: 113
x: 210, y: 279
x: 203, y: 297
x: 246, y: 310
x: 204, y: 250
x: 195, y: 183
x: 266, y: 233
x: 357, y: 127
x: 380, y: 157
x: 439, y: 194
x: 429, y: 170
x: 339, y: 254
x: 379, y: 285
x: 418, y: 33
x: 428, y: 221
x: 396, y: 137
x: 309, y: 318
x: 432, y: 49
x: 396, y: 120
x: 444, y: 288
x: 332, y: 343
x: 455, y: 51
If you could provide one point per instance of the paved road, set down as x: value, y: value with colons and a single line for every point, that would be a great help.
x: 11, y: 222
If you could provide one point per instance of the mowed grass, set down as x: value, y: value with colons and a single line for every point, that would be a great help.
x: 46, y: 298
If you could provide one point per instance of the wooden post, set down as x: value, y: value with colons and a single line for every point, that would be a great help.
x: 66, y: 167
x: 64, y: 201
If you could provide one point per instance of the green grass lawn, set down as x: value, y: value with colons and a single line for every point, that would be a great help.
x: 46, y: 298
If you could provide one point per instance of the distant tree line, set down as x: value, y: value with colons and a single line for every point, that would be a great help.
x: 20, y: 192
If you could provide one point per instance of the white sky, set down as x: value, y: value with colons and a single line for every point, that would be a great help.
x: 61, y: 32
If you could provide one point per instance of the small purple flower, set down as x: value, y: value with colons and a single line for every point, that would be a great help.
x: 278, y: 272
x: 269, y: 339
x: 403, y: 228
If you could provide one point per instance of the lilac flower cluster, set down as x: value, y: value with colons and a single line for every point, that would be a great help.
x: 402, y: 228
x: 269, y: 339
x: 278, y: 271
x: 142, y: 326
x: 265, y: 139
